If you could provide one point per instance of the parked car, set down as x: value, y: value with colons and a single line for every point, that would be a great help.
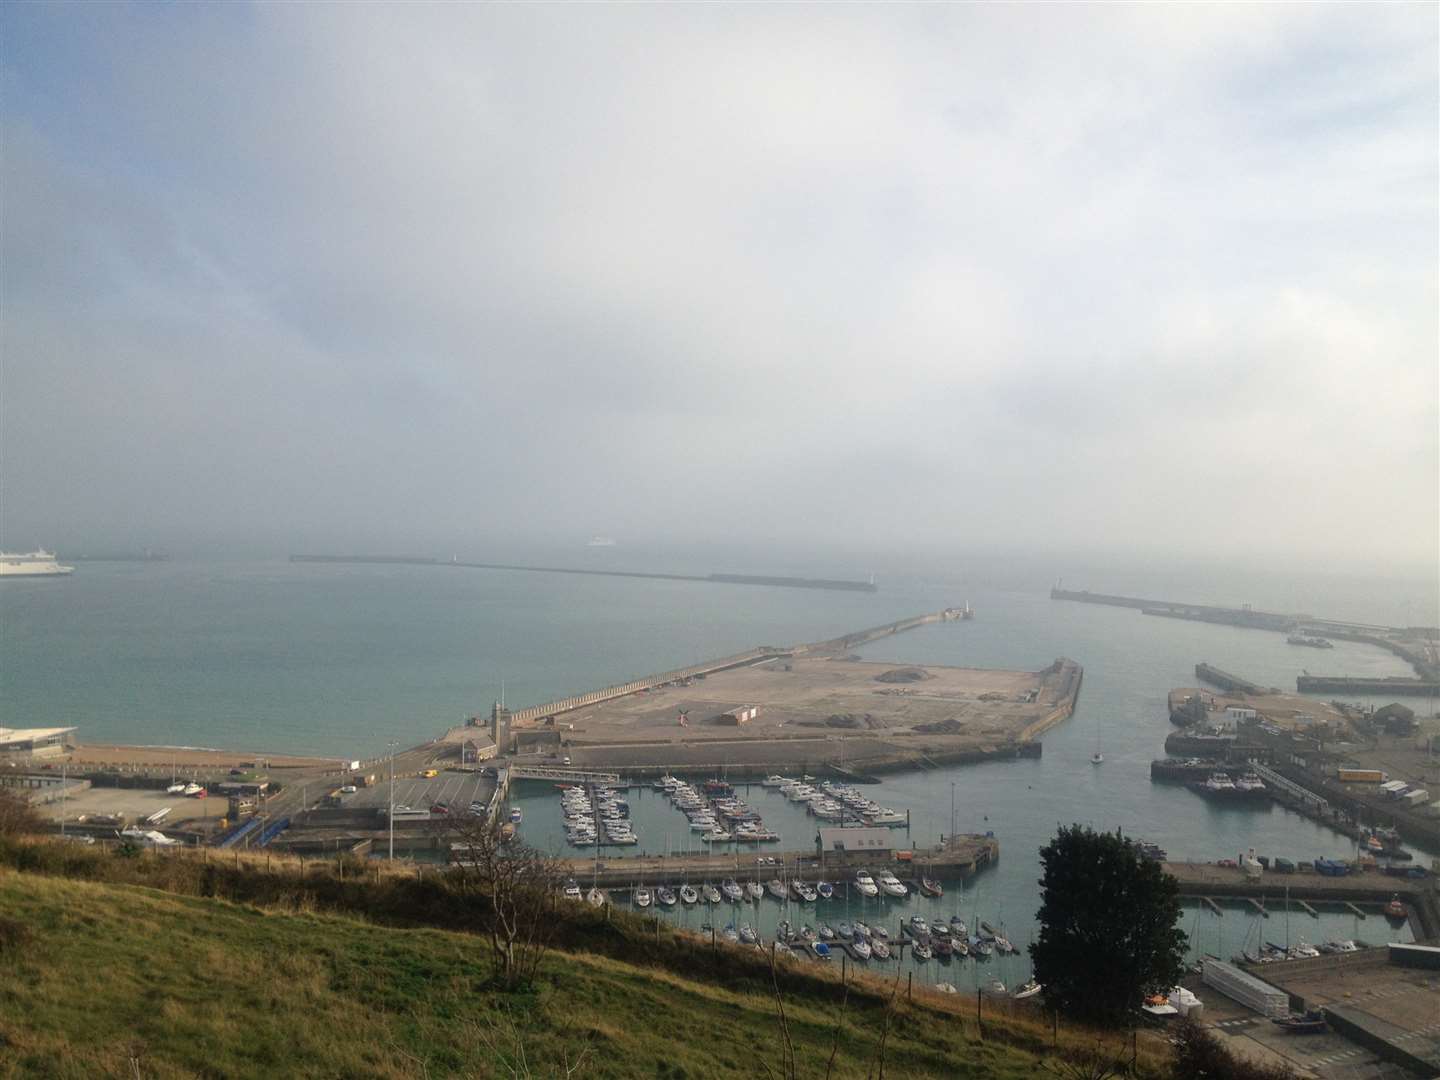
x: 349, y: 789
x: 439, y: 808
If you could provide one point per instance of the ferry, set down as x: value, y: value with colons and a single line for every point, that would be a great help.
x: 37, y: 563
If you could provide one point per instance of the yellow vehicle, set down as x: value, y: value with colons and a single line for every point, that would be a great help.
x: 429, y: 774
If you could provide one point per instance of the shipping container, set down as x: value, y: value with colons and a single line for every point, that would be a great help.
x: 1418, y: 797
x: 1361, y: 776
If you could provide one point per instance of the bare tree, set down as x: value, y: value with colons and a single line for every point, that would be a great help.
x: 519, y: 887
x: 17, y: 815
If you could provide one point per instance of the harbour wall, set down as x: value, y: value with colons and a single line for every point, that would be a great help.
x: 1344, y: 684
x: 774, y: 581
x: 1226, y: 681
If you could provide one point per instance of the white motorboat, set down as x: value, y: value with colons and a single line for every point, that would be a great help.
x: 866, y: 884
x: 1028, y: 989
x: 716, y: 836
x: 890, y: 885
x: 177, y: 788
x: 643, y: 897
x: 191, y: 789
x: 572, y: 890
x: 885, y: 816
x: 688, y: 895
x: 775, y: 780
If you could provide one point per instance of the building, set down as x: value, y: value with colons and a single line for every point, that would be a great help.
x: 741, y: 714
x: 1236, y: 713
x: 867, y: 839
x: 35, y: 742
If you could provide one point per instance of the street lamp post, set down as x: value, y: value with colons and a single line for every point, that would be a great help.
x: 394, y: 745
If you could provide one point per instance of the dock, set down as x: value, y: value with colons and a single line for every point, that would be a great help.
x: 960, y: 858
x: 1204, y: 882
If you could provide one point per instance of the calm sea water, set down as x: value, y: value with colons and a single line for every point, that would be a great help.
x: 334, y: 660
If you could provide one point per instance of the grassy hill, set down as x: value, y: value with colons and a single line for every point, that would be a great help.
x: 119, y: 980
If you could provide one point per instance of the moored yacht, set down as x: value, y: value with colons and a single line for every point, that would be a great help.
x: 890, y: 885
x: 866, y: 884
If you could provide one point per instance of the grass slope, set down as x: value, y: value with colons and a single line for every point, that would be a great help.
x: 121, y: 980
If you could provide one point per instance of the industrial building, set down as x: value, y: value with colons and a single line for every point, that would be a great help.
x: 35, y: 742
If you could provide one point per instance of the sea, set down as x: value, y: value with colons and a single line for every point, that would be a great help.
x: 336, y: 659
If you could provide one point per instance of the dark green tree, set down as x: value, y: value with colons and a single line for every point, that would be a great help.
x: 1107, y: 927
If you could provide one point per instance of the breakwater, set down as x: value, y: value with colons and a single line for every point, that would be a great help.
x: 1226, y: 681
x: 1344, y: 684
x: 784, y: 582
x: 1413, y: 644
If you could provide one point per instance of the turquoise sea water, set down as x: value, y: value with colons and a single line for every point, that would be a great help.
x: 333, y: 659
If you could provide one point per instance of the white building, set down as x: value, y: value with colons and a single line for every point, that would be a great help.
x: 34, y: 742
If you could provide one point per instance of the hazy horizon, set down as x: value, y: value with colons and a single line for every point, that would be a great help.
x: 850, y: 286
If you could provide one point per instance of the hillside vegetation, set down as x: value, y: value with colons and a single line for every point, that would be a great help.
x: 183, y: 963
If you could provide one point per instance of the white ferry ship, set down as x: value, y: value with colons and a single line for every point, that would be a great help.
x: 38, y: 563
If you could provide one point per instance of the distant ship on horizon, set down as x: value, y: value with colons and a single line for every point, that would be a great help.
x: 601, y: 541
x: 37, y: 563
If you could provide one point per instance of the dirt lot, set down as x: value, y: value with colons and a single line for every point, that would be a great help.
x: 808, y: 707
x: 133, y: 804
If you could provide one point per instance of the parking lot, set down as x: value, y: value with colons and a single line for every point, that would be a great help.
x: 456, y: 789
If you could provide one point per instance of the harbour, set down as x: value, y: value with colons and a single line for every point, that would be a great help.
x: 1126, y: 670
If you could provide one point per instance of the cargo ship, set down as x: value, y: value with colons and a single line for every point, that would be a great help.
x: 37, y: 563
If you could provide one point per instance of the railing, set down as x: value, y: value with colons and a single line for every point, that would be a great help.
x: 570, y: 776
x: 1305, y: 795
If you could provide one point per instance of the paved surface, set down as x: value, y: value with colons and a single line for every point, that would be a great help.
x: 455, y: 789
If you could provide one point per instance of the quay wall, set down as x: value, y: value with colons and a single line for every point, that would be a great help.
x: 968, y: 855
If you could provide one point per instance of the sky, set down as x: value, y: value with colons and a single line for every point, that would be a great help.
x: 1131, y: 279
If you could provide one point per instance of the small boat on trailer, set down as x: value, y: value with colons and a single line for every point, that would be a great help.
x: 1311, y: 1022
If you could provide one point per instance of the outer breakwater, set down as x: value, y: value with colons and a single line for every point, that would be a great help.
x: 836, y: 584
x: 1419, y: 646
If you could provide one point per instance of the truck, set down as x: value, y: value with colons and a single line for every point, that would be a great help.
x: 1361, y: 776
x: 1416, y: 798
x: 1394, y: 788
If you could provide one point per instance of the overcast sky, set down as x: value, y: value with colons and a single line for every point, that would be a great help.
x: 308, y: 276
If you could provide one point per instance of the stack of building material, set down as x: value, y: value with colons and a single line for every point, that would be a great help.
x: 1251, y: 992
